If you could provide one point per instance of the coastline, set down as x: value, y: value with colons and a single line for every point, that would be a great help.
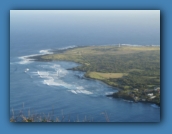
x: 86, y: 75
x: 129, y: 98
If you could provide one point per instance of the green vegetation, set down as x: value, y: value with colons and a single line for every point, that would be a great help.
x: 125, y: 67
x: 104, y: 76
x: 151, y: 96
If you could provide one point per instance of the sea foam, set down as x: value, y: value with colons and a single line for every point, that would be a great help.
x: 80, y: 90
x: 27, y: 60
x: 51, y: 78
x: 46, y: 51
x: 68, y: 47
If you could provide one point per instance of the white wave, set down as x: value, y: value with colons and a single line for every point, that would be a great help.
x: 83, y: 91
x: 43, y: 74
x: 52, y: 82
x: 73, y: 91
x: 60, y: 72
x: 80, y: 90
x: 52, y: 78
x: 46, y: 51
x: 26, y: 60
x: 64, y: 48
x: 27, y: 56
x: 109, y: 93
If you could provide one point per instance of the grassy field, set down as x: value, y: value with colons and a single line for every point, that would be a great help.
x: 78, y: 53
x: 103, y: 76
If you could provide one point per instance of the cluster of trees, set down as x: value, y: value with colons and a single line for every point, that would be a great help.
x: 143, y: 68
x: 149, y: 61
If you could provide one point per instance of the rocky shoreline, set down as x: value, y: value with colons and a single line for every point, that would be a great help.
x: 130, y: 98
x: 55, y: 51
x: 138, y: 95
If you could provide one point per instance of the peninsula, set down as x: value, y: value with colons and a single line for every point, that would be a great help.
x: 134, y: 70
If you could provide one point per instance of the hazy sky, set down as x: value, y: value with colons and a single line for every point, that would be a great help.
x: 108, y: 26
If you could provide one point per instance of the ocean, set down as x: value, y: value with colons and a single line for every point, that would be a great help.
x: 49, y: 89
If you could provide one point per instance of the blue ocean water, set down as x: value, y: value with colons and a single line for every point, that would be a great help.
x: 49, y: 89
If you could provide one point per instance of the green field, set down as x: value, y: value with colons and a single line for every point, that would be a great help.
x: 100, y: 50
x: 103, y: 76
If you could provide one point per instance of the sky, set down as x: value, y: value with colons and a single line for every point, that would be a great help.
x: 98, y: 26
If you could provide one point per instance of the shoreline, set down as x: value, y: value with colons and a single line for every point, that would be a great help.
x: 55, y: 51
x: 130, y: 98
x: 38, y: 58
x: 61, y: 51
